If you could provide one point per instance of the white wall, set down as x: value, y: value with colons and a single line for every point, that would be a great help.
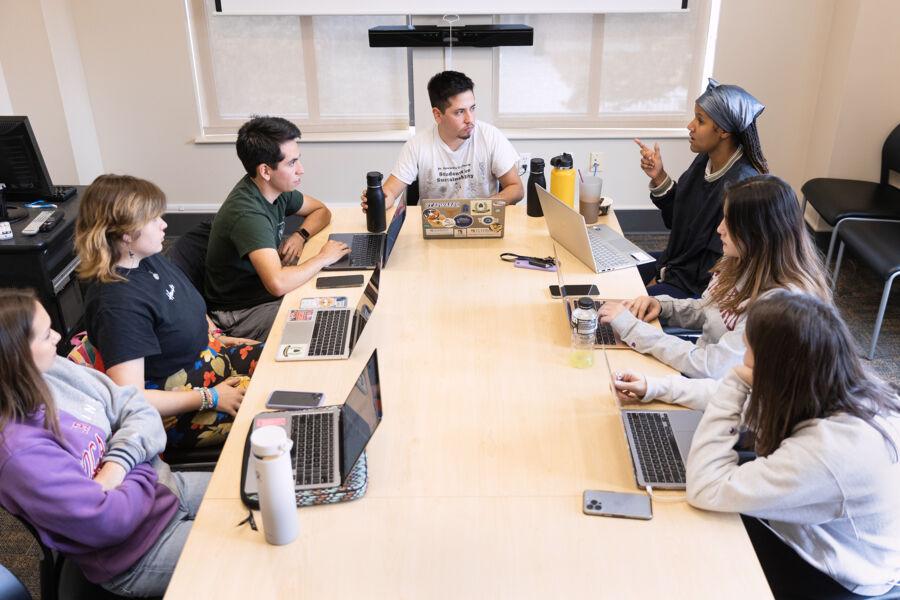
x: 824, y: 68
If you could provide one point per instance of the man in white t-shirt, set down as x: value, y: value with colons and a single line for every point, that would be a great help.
x: 459, y: 157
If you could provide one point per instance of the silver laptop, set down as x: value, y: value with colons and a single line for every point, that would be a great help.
x: 369, y: 250
x: 325, y: 328
x: 598, y: 246
x: 463, y: 218
x: 327, y: 440
x: 659, y: 442
x: 606, y: 336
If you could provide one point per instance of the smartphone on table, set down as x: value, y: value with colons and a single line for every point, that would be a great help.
x: 625, y: 505
x: 288, y: 400
x: 341, y: 281
x: 576, y: 290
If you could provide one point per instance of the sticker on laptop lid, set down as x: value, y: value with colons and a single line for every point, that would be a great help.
x: 323, y: 302
x: 300, y: 315
x: 293, y: 350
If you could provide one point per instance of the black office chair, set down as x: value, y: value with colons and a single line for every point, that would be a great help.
x: 61, y: 579
x: 837, y: 200
x: 189, y: 253
x: 11, y: 588
x: 877, y: 243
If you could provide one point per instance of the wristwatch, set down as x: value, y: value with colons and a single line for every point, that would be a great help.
x: 304, y: 234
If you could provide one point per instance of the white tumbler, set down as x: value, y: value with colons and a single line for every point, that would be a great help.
x: 271, y: 451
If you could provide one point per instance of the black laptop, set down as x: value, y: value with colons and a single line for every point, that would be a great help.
x: 369, y: 250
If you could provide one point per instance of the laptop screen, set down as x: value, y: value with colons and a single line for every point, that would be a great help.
x: 393, y: 230
x: 360, y: 415
x: 364, y: 308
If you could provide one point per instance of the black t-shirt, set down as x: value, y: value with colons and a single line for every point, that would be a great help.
x: 156, y: 315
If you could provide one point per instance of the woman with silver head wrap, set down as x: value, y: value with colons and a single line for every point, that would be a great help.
x: 723, y: 133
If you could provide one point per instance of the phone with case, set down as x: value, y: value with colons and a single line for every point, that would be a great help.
x: 625, y: 505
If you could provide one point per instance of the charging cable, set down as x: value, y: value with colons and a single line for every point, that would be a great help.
x: 681, y: 498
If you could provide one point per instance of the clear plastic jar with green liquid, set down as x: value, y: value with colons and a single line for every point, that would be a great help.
x: 584, y: 334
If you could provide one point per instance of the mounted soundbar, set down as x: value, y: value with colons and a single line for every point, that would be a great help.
x: 421, y: 36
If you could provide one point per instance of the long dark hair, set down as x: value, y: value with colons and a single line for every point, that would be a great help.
x: 23, y: 390
x: 749, y: 140
x: 765, y: 223
x: 807, y: 367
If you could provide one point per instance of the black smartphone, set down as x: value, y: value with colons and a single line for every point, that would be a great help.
x: 341, y: 281
x: 576, y: 290
x: 286, y: 400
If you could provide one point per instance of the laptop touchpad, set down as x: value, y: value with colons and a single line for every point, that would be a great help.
x: 297, y: 332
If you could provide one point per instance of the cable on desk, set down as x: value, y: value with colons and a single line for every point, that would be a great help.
x: 682, y: 498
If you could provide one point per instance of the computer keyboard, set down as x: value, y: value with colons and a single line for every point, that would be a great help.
x: 365, y: 249
x: 655, y: 443
x: 329, y: 333
x: 313, y: 456
x: 605, y: 334
x: 607, y: 258
x: 61, y: 193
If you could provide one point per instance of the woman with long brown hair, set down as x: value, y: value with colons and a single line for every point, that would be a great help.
x: 147, y: 320
x: 79, y: 460
x: 766, y: 247
x: 825, y: 490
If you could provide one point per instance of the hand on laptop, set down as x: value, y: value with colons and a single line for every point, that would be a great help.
x: 645, y: 308
x: 230, y: 396
x: 290, y: 249
x: 610, y: 310
x: 333, y: 251
x: 630, y: 386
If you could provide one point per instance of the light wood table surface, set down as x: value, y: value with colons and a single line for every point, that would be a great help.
x: 477, y: 471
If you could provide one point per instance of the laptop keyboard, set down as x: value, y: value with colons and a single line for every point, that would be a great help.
x: 313, y: 456
x: 329, y: 333
x: 365, y: 249
x: 605, y: 257
x: 605, y: 334
x: 660, y: 460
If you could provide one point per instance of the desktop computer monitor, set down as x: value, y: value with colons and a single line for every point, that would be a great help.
x: 22, y: 168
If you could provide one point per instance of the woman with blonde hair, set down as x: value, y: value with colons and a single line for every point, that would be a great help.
x: 146, y: 319
x: 766, y: 247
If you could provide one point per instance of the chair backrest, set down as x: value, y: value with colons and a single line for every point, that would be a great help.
x: 11, y: 588
x: 890, y: 155
x: 189, y: 253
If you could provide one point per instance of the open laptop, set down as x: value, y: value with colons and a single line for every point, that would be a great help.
x: 462, y: 218
x: 324, y: 328
x: 597, y: 246
x: 369, y: 250
x: 606, y: 336
x: 659, y: 442
x: 328, y: 440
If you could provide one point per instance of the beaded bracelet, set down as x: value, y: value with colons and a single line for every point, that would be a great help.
x: 206, y: 401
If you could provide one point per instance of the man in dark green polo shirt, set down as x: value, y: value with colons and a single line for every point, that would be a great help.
x: 249, y: 267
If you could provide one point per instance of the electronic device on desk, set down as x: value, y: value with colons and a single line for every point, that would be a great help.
x: 22, y: 168
x: 44, y: 222
x: 462, y: 218
x: 369, y: 250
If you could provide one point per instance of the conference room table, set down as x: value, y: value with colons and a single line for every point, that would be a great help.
x: 476, y: 473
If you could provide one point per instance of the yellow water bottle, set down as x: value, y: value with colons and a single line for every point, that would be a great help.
x: 562, y: 178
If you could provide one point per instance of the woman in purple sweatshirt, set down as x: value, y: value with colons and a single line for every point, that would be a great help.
x: 79, y: 460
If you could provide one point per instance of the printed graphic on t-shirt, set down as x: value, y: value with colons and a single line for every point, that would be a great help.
x: 170, y: 292
x: 92, y: 453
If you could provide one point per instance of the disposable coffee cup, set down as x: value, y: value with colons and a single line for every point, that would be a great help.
x: 589, y: 199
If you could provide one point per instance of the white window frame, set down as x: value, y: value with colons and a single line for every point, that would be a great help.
x: 216, y: 128
x: 595, y: 122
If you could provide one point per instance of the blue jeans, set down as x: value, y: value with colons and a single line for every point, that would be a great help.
x: 151, y: 574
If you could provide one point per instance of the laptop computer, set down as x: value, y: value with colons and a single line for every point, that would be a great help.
x: 325, y: 328
x: 659, y: 442
x: 606, y: 336
x: 463, y: 218
x: 369, y: 250
x: 328, y: 440
x: 597, y: 246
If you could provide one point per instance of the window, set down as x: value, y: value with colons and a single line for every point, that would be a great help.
x: 610, y: 70
x: 304, y: 68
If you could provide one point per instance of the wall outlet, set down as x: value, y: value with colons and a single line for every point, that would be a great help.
x: 524, y: 163
x: 595, y: 163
